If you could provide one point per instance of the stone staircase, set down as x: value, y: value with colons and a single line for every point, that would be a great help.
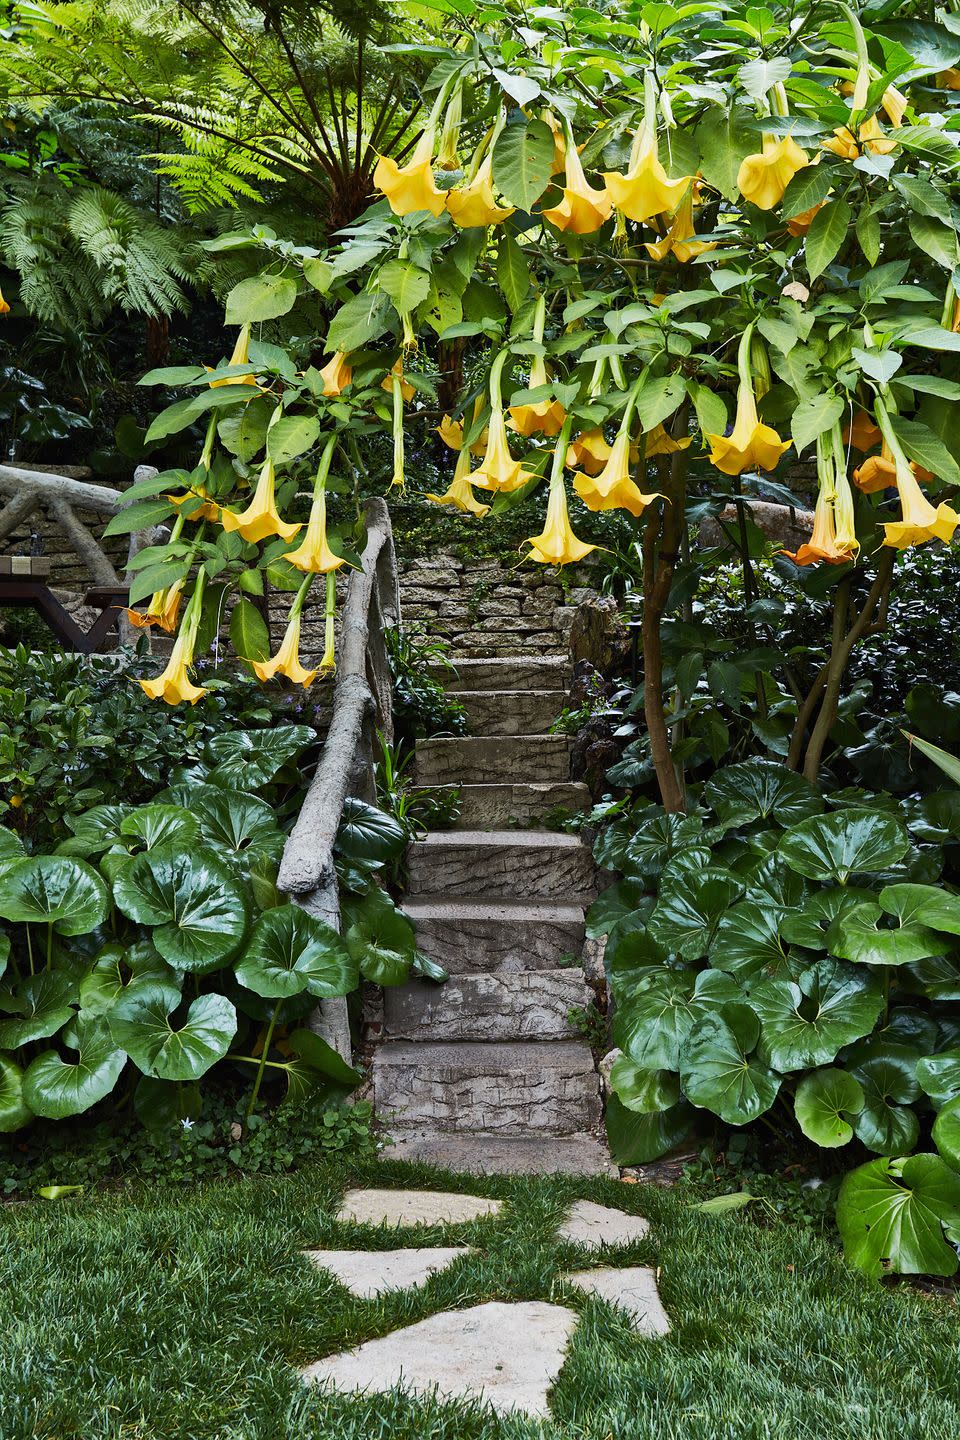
x: 484, y: 1073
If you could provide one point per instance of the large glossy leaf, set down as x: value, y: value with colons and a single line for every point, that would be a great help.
x: 636, y: 1139
x: 864, y: 935
x: 615, y: 904
x: 809, y: 923
x: 946, y: 1135
x: 381, y: 941
x: 192, y: 900
x: 249, y: 759
x: 630, y: 945
x: 316, y: 1064
x: 648, y: 1092
x: 885, y: 1123
x: 657, y: 839
x: 806, y: 1024
x: 825, y: 1103
x: 367, y: 833
x: 156, y: 824
x: 14, y: 1112
x: 290, y: 951
x: 117, y: 971
x: 653, y: 1020
x: 939, y: 1076
x: 748, y: 942
x: 926, y: 904
x: 938, y: 977
x: 760, y: 790
x: 688, y: 912
x: 770, y: 882
x: 95, y: 830
x: 846, y: 842
x: 57, y: 890
x: 140, y: 1025
x: 42, y: 1005
x: 891, y: 1216
x: 718, y: 1072
x: 55, y: 1088
x: 234, y: 824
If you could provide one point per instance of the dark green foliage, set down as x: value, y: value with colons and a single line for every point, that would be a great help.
x: 421, y: 705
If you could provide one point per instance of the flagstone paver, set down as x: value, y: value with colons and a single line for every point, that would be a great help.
x: 414, y: 1207
x: 593, y: 1226
x: 509, y: 1354
x: 371, y: 1272
x: 633, y: 1289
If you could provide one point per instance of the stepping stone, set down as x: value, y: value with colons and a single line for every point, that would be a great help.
x: 371, y: 1272
x: 595, y: 1225
x: 509, y: 1355
x: 633, y: 1289
x: 414, y: 1207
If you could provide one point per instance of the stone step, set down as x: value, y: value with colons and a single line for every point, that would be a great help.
x: 531, y: 1005
x: 483, y: 806
x: 511, y: 712
x: 467, y: 936
x: 486, y: 759
x: 486, y: 1154
x: 521, y: 1088
x: 516, y: 864
x: 506, y: 672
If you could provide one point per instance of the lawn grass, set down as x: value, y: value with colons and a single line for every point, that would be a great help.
x: 180, y: 1313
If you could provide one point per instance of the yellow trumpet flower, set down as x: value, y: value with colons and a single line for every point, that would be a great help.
x: 240, y: 356
x: 822, y: 544
x: 834, y: 539
x: 763, y: 178
x: 411, y: 187
x: 645, y: 190
x: 556, y: 544
x: 162, y: 610
x: 613, y: 489
x: 894, y: 104
x: 314, y: 554
x: 546, y: 417
x: 337, y: 375
x: 407, y: 391
x: 287, y: 661
x: 582, y: 209
x: 451, y: 432
x: 174, y: 685
x: 588, y: 451
x: 681, y: 239
x: 871, y: 140
x: 919, y: 521
x: 209, y: 510
x: 948, y: 79
x: 559, y: 142
x: 261, y: 517
x: 658, y: 442
x: 498, y: 470
x: 863, y: 434
x: 475, y: 205
x: 750, y: 444
x: 460, y: 492
x: 800, y: 224
x: 4, y: 307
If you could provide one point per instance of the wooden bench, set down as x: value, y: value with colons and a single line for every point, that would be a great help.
x: 23, y: 585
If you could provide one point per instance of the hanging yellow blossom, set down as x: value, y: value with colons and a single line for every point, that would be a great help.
x: 948, y: 79
x: 800, y: 224
x: 582, y: 209
x: 645, y: 190
x: 658, y: 442
x: 162, y: 610
x: 497, y: 469
x: 451, y: 432
x: 763, y: 178
x: 588, y: 451
x: 919, y: 521
x: 287, y: 662
x: 822, y: 544
x: 543, y: 417
x: 174, y: 685
x: 475, y: 205
x: 4, y: 307
x: 240, y: 356
x: 556, y: 544
x: 411, y: 187
x: 460, y: 492
x: 681, y: 239
x: 314, y: 555
x: 407, y: 391
x: 834, y: 539
x: 261, y: 518
x: 863, y: 434
x: 613, y: 489
x: 751, y: 444
x: 337, y: 374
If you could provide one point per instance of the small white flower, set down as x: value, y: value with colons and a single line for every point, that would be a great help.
x: 186, y: 1124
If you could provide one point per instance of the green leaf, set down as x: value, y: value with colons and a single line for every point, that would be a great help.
x: 657, y: 398
x: 523, y: 162
x: 262, y: 297
x: 55, y: 1088
x: 381, y: 941
x: 812, y: 417
x: 513, y: 273
x: 315, y: 1064
x: 724, y: 1204
x: 318, y: 273
x: 747, y: 944
x: 846, y: 842
x: 924, y: 903
x: 249, y: 759
x: 368, y: 833
x: 613, y: 905
x: 867, y: 231
x: 759, y: 790
x: 95, y: 830
x: 923, y: 197
x: 290, y: 951
x: 42, y: 1003
x: 291, y: 436
x: 182, y: 413
x: 889, y: 1085
x: 237, y: 826
x: 54, y: 889
x: 648, y: 1092
x: 725, y: 139
x: 141, y: 515
x: 405, y: 283
x: 935, y: 239
x: 156, y: 824
x: 359, y: 322
x: 653, y: 1019
x: 161, y: 1105
x: 925, y: 447
x: 14, y: 1112
x: 759, y: 76
x: 636, y: 1139
x: 248, y: 631
x: 196, y: 906
x: 824, y: 1102
x: 939, y: 1076
x: 689, y: 910
x: 809, y: 924
x: 891, y: 1216
x: 140, y: 1025
x: 862, y: 935
x: 807, y: 1023
x: 949, y: 764
x: 946, y: 1133
x: 810, y: 186
x: 717, y: 1075
x: 825, y: 236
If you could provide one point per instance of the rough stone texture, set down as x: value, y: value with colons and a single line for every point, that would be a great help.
x: 468, y: 935
x: 414, y: 1207
x: 508, y: 1089
x: 368, y: 1273
x: 518, y: 712
x: 508, y: 1354
x: 532, y: 1005
x: 534, y: 863
x: 485, y: 1154
x: 513, y: 672
x: 495, y: 806
x: 633, y: 1289
x: 593, y: 1226
x: 781, y: 523
x: 484, y: 760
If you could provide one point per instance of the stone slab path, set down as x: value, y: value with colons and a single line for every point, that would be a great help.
x: 508, y: 1354
x: 487, y: 1073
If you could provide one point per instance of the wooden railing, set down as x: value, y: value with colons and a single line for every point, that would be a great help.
x: 361, y: 707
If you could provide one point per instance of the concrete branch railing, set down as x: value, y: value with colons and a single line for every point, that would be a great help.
x: 361, y: 706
